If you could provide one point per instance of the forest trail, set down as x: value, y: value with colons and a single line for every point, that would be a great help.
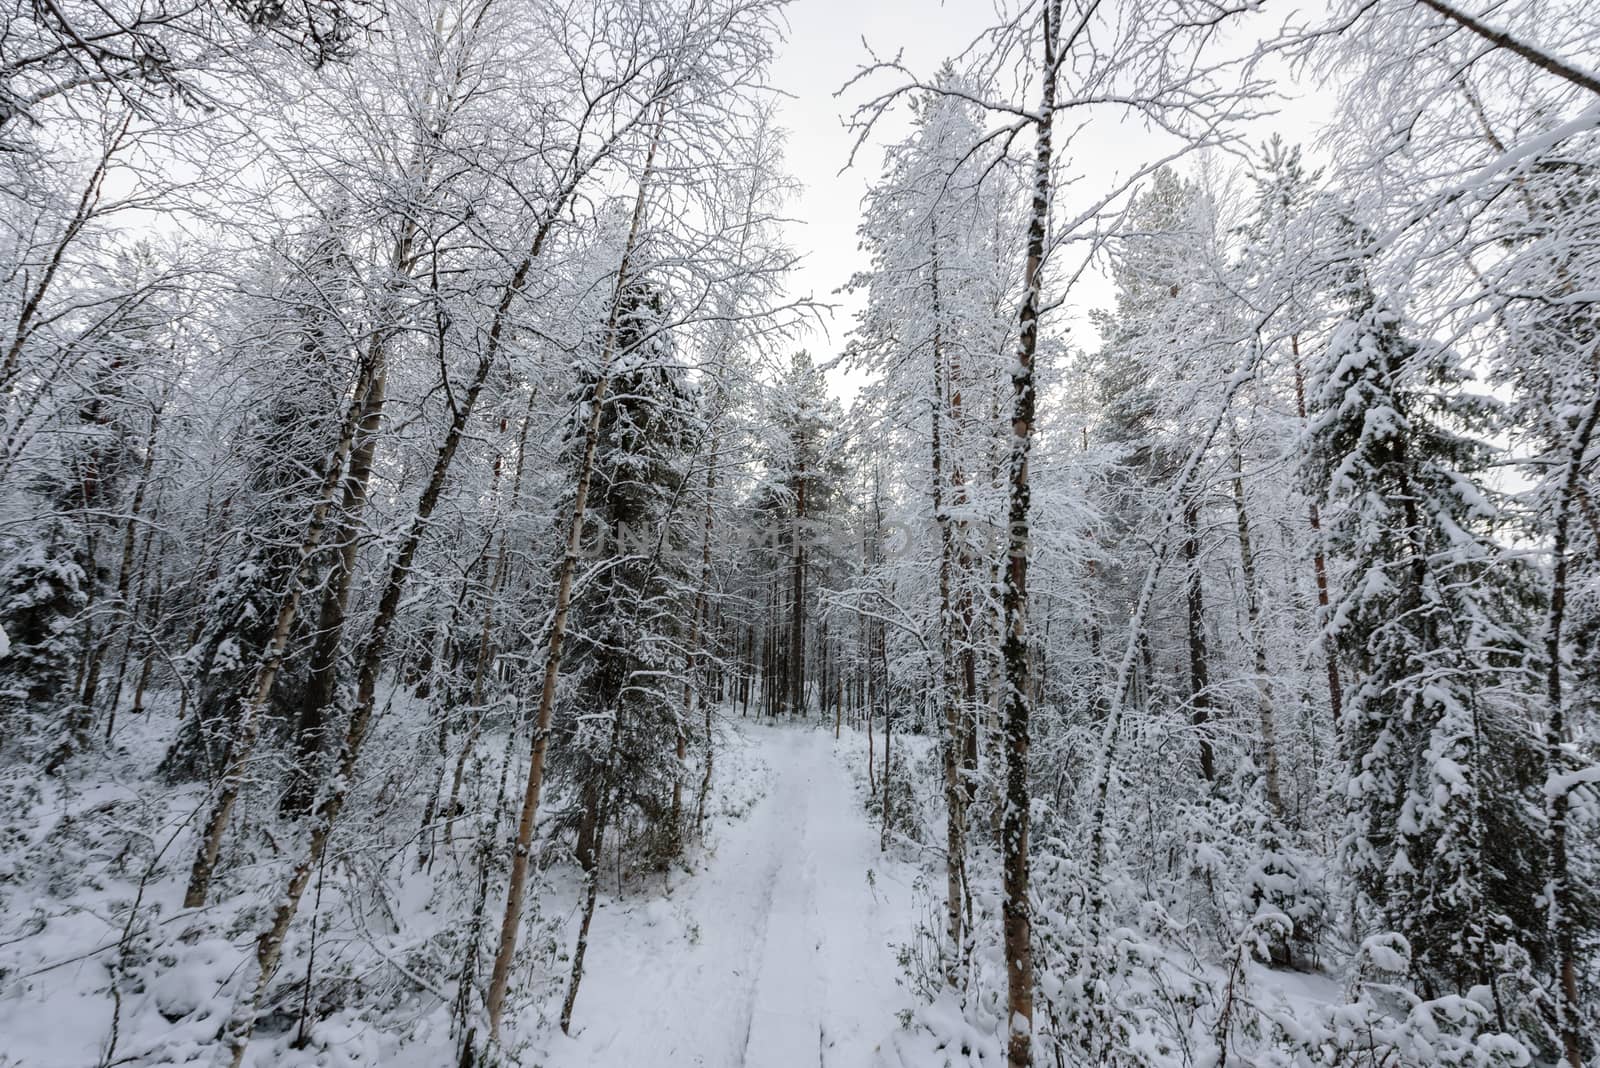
x: 778, y: 953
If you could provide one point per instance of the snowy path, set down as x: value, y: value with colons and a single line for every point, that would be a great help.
x: 777, y: 953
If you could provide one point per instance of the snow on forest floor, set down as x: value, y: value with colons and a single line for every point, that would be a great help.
x: 776, y: 941
x: 780, y: 951
x: 776, y: 944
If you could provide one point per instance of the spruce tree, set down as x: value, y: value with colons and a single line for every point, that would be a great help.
x: 42, y: 593
x: 1443, y: 836
x: 616, y: 748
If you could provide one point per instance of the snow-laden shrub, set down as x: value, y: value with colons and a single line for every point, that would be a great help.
x: 905, y: 807
x: 1385, y: 1025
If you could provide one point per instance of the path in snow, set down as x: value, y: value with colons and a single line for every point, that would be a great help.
x: 779, y: 952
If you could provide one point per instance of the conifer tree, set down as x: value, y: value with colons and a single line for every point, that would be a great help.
x: 1443, y: 831
x: 798, y: 494
x: 625, y: 631
x: 296, y: 355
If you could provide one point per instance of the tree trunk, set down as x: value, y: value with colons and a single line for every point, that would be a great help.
x: 962, y: 621
x: 311, y: 725
x: 888, y: 736
x: 125, y: 566
x: 486, y: 646
x: 748, y: 675
x: 872, y: 696
x: 591, y: 881
x: 1569, y: 1012
x: 880, y: 653
x: 797, y: 611
x: 1199, y: 666
x: 946, y: 702
x: 517, y: 884
x: 708, y: 521
x: 487, y: 841
x: 1016, y: 912
x: 254, y: 706
x: 1258, y: 643
x: 838, y: 703
x: 1319, y: 559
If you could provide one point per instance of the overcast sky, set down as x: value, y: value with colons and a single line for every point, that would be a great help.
x: 824, y: 49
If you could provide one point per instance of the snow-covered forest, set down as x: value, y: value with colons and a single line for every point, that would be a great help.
x: 467, y: 601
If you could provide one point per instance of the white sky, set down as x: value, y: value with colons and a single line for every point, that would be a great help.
x: 824, y: 49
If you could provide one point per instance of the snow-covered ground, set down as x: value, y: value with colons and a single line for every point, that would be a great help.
x: 775, y: 943
x: 779, y: 952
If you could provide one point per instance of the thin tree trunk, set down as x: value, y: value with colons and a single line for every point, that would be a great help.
x: 965, y: 652
x: 882, y: 667
x: 1258, y: 642
x: 1199, y: 666
x: 872, y: 696
x: 995, y: 631
x: 1319, y: 559
x: 591, y: 880
x: 888, y: 736
x: 473, y: 942
x: 517, y: 884
x: 447, y: 655
x: 1016, y: 912
x: 311, y: 724
x: 254, y: 706
x: 949, y: 709
x: 838, y: 703
x: 708, y: 520
x: 486, y: 646
x: 125, y: 566
x: 269, y: 947
x: 1569, y: 1012
x: 797, y: 612
x: 748, y: 675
